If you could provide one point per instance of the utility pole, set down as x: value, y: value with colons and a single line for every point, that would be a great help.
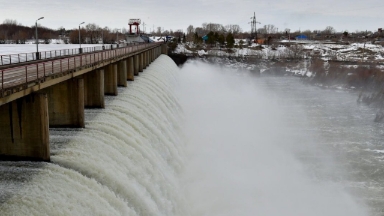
x: 363, y: 52
x: 144, y: 27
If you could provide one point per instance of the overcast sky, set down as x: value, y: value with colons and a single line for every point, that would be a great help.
x: 343, y: 15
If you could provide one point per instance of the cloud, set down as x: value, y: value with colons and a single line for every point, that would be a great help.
x: 179, y: 14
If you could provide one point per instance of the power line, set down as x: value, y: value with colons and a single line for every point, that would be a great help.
x: 253, y: 26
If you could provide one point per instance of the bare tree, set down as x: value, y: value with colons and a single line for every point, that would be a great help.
x: 190, y: 29
x: 10, y: 22
x: 93, y: 32
x: 295, y: 51
x: 329, y: 30
x: 190, y: 32
x: 158, y: 32
x: 233, y: 28
x: 74, y: 36
x: 270, y: 29
x: 214, y: 27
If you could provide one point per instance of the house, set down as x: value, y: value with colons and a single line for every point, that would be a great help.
x: 260, y: 41
x: 301, y: 37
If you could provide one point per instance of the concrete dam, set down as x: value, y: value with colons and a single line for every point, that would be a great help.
x: 53, y: 93
x: 197, y: 140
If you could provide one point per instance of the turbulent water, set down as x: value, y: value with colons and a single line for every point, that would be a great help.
x: 125, y: 161
x: 203, y: 140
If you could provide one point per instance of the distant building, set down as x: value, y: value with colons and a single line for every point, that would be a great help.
x: 260, y: 41
x: 301, y: 37
x: 205, y: 38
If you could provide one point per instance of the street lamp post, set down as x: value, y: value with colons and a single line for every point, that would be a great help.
x: 102, y: 36
x: 289, y: 35
x: 37, y: 40
x: 80, y: 50
x: 117, y: 36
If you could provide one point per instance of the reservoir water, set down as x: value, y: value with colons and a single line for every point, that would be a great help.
x: 205, y: 140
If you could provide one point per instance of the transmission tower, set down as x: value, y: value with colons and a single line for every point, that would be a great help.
x: 253, y: 26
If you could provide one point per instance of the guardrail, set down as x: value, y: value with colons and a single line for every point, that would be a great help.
x: 27, y: 57
x: 36, y: 72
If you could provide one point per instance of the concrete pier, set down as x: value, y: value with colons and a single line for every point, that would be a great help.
x: 144, y: 60
x: 94, y: 89
x: 147, y: 58
x: 24, y: 129
x: 66, y: 104
x: 122, y: 73
x: 136, y: 64
x: 110, y: 79
x: 164, y: 49
x: 141, y: 59
x: 130, y: 69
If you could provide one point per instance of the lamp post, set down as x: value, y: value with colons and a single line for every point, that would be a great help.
x: 117, y: 36
x: 102, y: 36
x: 80, y: 51
x: 37, y: 40
x: 289, y: 35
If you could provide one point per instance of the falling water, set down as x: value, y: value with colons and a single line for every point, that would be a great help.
x: 204, y: 140
x: 125, y: 161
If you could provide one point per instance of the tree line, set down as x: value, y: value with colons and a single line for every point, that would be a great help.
x: 13, y: 32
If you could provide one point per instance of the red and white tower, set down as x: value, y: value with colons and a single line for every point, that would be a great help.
x: 134, y: 22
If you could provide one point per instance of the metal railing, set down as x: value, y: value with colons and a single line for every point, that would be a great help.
x: 36, y: 72
x: 27, y: 57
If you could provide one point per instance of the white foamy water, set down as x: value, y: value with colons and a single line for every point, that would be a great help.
x: 250, y: 148
x: 125, y: 161
x: 203, y: 141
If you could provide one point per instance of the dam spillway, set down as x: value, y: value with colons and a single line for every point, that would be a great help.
x: 122, y: 163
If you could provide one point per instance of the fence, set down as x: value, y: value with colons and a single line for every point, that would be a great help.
x: 37, y: 72
x: 26, y: 57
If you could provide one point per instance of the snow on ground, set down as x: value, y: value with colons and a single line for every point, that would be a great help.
x: 326, y: 51
x: 355, y: 51
x: 6, y: 49
x: 202, y: 52
x: 181, y: 49
x: 156, y: 38
x: 234, y: 63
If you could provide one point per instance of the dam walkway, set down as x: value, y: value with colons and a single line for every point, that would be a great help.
x: 49, y: 93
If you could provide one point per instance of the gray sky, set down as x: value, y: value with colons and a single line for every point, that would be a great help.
x: 343, y: 15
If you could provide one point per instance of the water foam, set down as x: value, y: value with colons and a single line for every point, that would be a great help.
x: 242, y: 150
x: 211, y: 142
x: 125, y: 161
